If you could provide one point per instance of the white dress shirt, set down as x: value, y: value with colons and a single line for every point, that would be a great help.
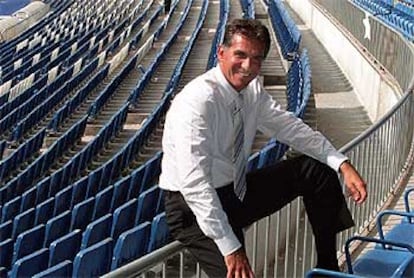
x: 198, y: 145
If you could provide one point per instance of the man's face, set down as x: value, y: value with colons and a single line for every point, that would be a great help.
x: 241, y: 61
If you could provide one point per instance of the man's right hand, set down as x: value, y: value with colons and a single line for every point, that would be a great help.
x: 238, y: 265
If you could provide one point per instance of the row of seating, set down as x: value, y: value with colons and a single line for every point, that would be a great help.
x: 399, y: 16
x: 92, y: 252
x: 218, y: 37
x: 10, y: 47
x: 392, y: 254
x: 23, y: 153
x: 287, y: 33
x: 23, y: 181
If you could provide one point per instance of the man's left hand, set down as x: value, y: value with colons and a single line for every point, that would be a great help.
x: 354, y: 182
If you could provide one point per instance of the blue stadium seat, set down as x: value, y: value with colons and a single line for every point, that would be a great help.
x: 152, y: 171
x: 103, y: 201
x: 319, y: 272
x: 28, y: 199
x: 63, y: 200
x: 28, y: 242
x: 147, y: 205
x: 31, y: 264
x: 65, y: 247
x: 6, y: 230
x: 44, y: 211
x: 402, y: 232
x: 382, y: 261
x: 79, y: 191
x: 10, y: 209
x: 94, y: 260
x: 131, y: 245
x: 82, y: 214
x: 136, y: 182
x: 57, y: 227
x: 120, y: 195
x: 159, y: 232
x: 97, y: 230
x: 63, y: 269
x: 123, y: 218
x: 6, y: 253
x: 42, y: 190
x: 23, y: 222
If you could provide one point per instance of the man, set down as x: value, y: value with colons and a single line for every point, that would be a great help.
x: 206, y: 209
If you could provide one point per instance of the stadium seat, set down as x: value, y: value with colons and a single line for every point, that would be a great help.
x: 147, y: 205
x: 97, y: 230
x: 383, y: 261
x: 63, y: 200
x: 28, y: 199
x: 28, y: 242
x: 65, y: 248
x: 80, y: 188
x: 23, y: 222
x: 44, y: 211
x: 131, y: 245
x: 57, y: 227
x: 94, y: 261
x: 82, y: 214
x: 63, y: 269
x: 31, y: 264
x: 6, y: 253
x: 11, y: 209
x: 120, y: 195
x: 159, y: 232
x: 123, y: 218
x: 136, y: 182
x: 103, y: 201
x: 6, y: 230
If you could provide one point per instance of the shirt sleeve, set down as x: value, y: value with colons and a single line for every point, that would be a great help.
x: 288, y: 129
x: 194, y: 126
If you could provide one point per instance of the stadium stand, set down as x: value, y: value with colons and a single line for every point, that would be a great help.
x: 82, y: 97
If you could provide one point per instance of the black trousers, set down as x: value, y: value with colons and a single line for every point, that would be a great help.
x: 268, y: 190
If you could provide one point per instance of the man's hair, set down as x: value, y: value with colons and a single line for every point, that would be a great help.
x: 250, y: 28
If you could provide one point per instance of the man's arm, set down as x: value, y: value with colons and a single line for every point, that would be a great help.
x: 238, y: 265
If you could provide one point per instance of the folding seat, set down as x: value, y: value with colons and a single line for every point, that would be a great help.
x: 120, y: 195
x: 252, y: 162
x: 6, y: 253
x: 23, y: 222
x: 55, y: 182
x: 319, y: 272
x: 65, y: 247
x: 131, y: 245
x: 123, y: 218
x: 152, y: 171
x: 31, y: 264
x: 94, y: 260
x: 28, y: 199
x: 147, y: 205
x: 97, y: 230
x: 11, y: 209
x: 136, y: 182
x: 79, y: 191
x: 159, y: 232
x: 383, y: 261
x: 63, y: 200
x: 42, y: 190
x: 57, y: 227
x: 28, y: 242
x: 103, y: 201
x: 82, y: 214
x: 44, y: 211
x: 94, y: 182
x: 63, y: 269
x: 6, y: 230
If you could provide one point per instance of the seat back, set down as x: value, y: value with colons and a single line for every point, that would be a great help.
x: 97, y: 230
x: 65, y: 247
x: 94, y: 260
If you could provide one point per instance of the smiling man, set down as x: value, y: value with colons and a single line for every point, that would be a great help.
x: 208, y: 135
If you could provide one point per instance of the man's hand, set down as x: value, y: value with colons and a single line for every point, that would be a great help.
x: 238, y: 265
x: 354, y: 183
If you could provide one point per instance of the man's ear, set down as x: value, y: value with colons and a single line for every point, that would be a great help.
x: 220, y: 52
